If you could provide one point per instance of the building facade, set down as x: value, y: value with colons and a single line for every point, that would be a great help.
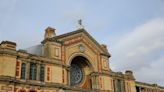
x: 71, y: 62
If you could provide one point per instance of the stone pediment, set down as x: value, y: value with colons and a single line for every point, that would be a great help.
x: 78, y: 36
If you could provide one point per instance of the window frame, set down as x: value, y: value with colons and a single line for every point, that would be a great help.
x: 33, y: 71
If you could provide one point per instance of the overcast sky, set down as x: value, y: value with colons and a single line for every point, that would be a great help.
x: 132, y: 29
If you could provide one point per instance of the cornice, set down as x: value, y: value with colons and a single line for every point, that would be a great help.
x: 100, y: 74
x: 120, y: 75
x: 29, y: 83
x: 8, y: 42
x: 27, y: 57
x: 10, y: 52
x: 147, y: 84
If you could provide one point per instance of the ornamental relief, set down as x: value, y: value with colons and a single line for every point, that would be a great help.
x: 83, y: 39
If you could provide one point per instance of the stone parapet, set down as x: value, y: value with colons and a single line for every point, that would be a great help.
x: 8, y: 45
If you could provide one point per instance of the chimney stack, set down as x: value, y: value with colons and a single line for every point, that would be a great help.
x: 49, y: 33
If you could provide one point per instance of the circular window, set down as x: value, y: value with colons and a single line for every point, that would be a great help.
x: 76, y: 74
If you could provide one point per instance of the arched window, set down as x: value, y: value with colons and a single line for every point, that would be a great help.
x: 23, y: 71
x: 42, y: 72
x: 32, y: 71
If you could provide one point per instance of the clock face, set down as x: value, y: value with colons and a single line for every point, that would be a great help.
x: 76, y: 74
x: 81, y: 48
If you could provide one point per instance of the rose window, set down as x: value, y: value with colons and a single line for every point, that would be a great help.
x: 76, y: 74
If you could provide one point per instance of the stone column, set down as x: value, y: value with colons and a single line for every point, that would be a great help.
x: 122, y: 86
x: 139, y: 89
x: 27, y: 70
x: 93, y: 82
x: 115, y: 85
x: 68, y: 76
x: 38, y: 72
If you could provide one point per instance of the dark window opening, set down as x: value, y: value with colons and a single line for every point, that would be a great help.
x: 23, y: 71
x: 137, y: 89
x: 42, y: 73
x: 32, y: 71
x: 119, y: 86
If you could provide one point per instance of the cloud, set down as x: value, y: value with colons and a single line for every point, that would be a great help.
x: 152, y: 74
x: 142, y: 51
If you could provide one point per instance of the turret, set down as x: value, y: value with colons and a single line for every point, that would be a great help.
x: 8, y: 45
x: 51, y: 48
x: 49, y: 33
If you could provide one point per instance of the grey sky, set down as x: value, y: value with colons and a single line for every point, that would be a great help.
x: 132, y: 29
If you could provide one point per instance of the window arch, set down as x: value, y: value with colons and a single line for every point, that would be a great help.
x: 33, y: 71
x: 23, y: 71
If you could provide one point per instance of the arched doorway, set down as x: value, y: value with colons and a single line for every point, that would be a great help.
x: 79, y: 71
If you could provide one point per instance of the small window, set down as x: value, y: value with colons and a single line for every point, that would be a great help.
x: 56, y: 52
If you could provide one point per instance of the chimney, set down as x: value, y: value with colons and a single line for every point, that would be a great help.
x: 49, y: 32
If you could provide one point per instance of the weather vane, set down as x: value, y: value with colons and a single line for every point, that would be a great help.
x: 80, y: 22
x: 80, y: 26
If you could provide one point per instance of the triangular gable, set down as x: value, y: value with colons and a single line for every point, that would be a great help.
x: 64, y: 37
